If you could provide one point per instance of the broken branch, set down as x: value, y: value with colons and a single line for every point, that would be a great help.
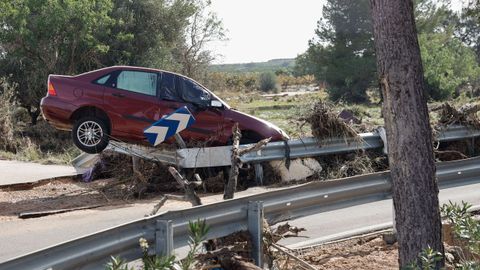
x: 303, y: 263
x: 190, y: 193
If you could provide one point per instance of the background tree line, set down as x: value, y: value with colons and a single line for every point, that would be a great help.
x: 342, y: 51
x: 41, y: 37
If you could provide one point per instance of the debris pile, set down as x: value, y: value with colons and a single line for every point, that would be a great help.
x: 149, y: 176
x: 326, y: 124
x: 351, y: 164
x: 234, y: 251
x: 465, y: 115
x: 225, y: 252
x: 448, y: 115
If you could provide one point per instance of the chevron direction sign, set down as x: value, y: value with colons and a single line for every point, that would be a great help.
x: 169, y: 125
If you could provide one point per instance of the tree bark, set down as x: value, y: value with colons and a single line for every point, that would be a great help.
x: 409, y: 136
x: 231, y: 185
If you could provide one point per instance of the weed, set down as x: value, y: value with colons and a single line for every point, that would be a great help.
x: 467, y: 230
x: 427, y: 260
x: 198, y: 231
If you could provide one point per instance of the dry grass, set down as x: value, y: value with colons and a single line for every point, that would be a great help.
x: 326, y: 124
x: 465, y: 115
x: 7, y: 141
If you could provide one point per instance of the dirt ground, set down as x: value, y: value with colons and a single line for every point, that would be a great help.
x: 369, y: 252
x: 69, y: 193
x: 54, y: 195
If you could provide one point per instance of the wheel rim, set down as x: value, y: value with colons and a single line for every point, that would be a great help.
x: 89, y: 133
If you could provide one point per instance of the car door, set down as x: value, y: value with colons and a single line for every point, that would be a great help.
x: 177, y: 91
x: 131, y: 99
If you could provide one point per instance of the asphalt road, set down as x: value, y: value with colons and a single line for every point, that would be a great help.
x: 23, y: 236
x: 373, y: 215
x: 16, y: 172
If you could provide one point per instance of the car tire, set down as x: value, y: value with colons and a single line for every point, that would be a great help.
x: 90, y: 134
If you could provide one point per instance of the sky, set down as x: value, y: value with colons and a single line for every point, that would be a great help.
x: 261, y: 30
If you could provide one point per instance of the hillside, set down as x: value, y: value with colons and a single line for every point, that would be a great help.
x: 271, y: 65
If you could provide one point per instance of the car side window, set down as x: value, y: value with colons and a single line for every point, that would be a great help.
x: 192, y: 92
x: 138, y: 82
x: 168, y: 91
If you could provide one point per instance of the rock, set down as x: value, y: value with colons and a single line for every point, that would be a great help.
x: 299, y: 169
x: 389, y: 238
x: 348, y: 117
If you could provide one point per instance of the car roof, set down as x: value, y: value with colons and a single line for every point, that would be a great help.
x: 95, y: 74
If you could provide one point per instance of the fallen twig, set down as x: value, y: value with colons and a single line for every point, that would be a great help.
x: 190, y: 193
x: 163, y: 200
x: 302, y: 263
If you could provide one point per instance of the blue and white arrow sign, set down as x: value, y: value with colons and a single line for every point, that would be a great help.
x: 169, y: 125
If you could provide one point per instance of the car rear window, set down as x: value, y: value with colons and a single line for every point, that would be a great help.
x: 138, y: 82
x: 103, y: 79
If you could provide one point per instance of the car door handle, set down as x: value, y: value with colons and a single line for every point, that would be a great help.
x: 118, y: 95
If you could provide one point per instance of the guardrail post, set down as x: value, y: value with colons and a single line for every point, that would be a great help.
x: 383, y: 135
x: 258, y: 173
x: 255, y: 227
x: 164, y: 238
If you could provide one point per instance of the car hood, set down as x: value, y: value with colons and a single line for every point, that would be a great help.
x: 262, y: 127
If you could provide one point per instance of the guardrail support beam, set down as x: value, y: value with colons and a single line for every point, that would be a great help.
x: 255, y: 227
x: 164, y: 238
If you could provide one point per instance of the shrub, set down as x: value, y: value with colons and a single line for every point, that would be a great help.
x: 267, y: 81
x: 7, y: 109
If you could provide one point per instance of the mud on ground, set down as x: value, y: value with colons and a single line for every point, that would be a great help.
x: 56, y: 194
x: 369, y: 253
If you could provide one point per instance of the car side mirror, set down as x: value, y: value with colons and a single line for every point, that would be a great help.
x: 216, y: 104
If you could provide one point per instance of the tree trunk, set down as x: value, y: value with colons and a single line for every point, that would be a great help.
x: 33, y: 115
x: 409, y: 136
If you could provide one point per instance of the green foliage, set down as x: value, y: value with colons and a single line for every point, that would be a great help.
x: 469, y: 26
x: 117, y: 263
x: 41, y: 37
x: 7, y: 141
x: 198, y: 231
x: 145, y: 33
x: 464, y: 225
x: 49, y: 36
x: 448, y: 64
x: 267, y: 81
x: 342, y: 53
x: 427, y: 260
x: 433, y: 16
x: 153, y: 262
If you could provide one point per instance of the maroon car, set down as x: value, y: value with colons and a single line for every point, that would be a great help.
x: 120, y: 102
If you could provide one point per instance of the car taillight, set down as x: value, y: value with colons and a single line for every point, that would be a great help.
x: 51, y: 90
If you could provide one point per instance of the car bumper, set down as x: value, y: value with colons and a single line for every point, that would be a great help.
x: 57, y: 112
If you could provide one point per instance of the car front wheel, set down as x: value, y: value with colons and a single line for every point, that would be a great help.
x: 90, y: 134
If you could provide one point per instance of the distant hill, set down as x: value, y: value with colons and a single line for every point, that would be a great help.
x: 271, y: 65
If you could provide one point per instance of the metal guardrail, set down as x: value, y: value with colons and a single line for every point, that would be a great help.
x: 457, y: 132
x: 226, y: 217
x: 298, y: 148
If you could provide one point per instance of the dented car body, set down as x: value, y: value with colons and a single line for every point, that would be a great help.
x: 120, y: 102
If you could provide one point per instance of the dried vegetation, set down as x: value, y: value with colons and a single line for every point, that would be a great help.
x: 326, y: 124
